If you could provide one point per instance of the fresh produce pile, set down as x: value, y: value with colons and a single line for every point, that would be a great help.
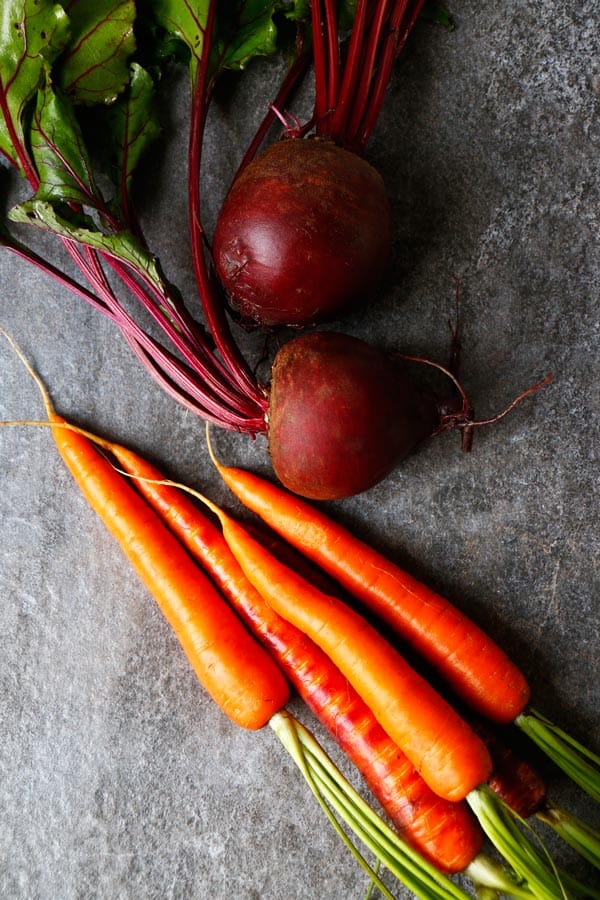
x: 426, y: 724
x: 429, y: 764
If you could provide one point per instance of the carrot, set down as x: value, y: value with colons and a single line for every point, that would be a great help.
x: 231, y: 665
x: 131, y: 521
x: 521, y: 858
x: 443, y: 748
x: 445, y: 833
x: 472, y: 664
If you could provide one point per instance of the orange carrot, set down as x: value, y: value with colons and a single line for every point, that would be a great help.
x: 231, y: 665
x: 443, y: 748
x: 472, y: 664
x: 139, y: 531
x: 445, y: 833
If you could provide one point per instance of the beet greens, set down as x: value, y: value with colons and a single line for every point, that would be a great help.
x: 42, y: 135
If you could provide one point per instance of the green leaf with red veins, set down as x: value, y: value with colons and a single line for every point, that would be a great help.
x: 59, y: 152
x: 134, y: 125
x: 244, y: 30
x: 122, y: 246
x: 95, y: 67
x: 32, y: 34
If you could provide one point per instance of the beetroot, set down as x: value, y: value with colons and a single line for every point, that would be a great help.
x: 342, y: 414
x: 304, y: 232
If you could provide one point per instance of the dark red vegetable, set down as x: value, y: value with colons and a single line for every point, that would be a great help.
x: 342, y: 414
x: 304, y: 232
x: 306, y: 228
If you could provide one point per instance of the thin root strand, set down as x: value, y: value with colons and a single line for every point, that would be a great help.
x: 462, y: 418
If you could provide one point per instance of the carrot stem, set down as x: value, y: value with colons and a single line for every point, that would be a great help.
x: 577, y: 834
x: 532, y: 863
x: 578, y: 762
x: 286, y: 728
x: 491, y: 878
x: 330, y: 787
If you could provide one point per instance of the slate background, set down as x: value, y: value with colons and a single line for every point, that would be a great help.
x: 118, y: 778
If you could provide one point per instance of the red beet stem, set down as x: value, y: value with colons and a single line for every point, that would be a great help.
x: 213, y: 308
x: 319, y: 62
x: 348, y: 113
x: 200, y: 382
x: 293, y: 77
x: 361, y: 97
x: 351, y: 71
x: 402, y: 22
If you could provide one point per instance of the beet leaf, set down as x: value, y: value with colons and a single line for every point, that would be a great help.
x: 246, y: 30
x: 185, y: 23
x: 82, y: 229
x: 59, y: 152
x: 95, y: 67
x: 133, y: 125
x: 32, y: 34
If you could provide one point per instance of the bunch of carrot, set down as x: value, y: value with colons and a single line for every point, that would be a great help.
x: 421, y: 759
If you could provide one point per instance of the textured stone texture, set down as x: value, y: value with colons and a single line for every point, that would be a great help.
x: 118, y: 778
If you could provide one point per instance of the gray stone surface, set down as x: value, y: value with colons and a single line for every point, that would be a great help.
x: 118, y: 777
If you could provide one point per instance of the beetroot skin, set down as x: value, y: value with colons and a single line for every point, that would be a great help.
x: 304, y: 232
x: 342, y: 414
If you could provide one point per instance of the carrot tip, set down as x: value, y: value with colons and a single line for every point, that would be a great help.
x: 40, y: 384
x: 211, y: 452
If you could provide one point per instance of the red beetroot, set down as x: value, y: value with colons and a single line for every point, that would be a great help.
x: 342, y: 414
x: 304, y: 232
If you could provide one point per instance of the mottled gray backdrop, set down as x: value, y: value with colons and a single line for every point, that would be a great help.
x: 118, y: 778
